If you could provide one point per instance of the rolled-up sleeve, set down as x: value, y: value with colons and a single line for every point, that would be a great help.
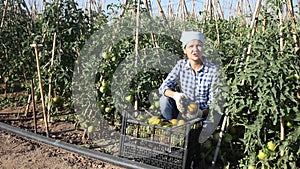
x: 171, y: 80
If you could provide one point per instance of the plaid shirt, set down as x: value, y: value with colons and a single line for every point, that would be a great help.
x: 197, y: 86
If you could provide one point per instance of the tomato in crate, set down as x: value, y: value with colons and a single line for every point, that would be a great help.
x: 163, y: 144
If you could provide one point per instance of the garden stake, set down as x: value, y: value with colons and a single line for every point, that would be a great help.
x: 217, y: 26
x: 221, y: 10
x: 194, y: 15
x: 150, y: 12
x: 220, y: 140
x: 136, y: 47
x: 164, y: 16
x: 124, y: 9
x: 281, y: 52
x: 4, y: 14
x: 252, y: 25
x: 291, y: 13
x: 33, y: 105
x: 162, y: 12
x: 41, y: 85
x: 50, y: 78
x: 27, y: 105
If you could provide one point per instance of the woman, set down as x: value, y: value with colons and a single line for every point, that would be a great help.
x: 196, y: 77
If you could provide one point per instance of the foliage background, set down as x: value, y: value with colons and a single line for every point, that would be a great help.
x: 264, y: 85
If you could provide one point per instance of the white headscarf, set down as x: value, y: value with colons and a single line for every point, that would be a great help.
x: 188, y: 36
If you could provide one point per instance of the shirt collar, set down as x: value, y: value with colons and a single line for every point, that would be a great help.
x: 204, y: 67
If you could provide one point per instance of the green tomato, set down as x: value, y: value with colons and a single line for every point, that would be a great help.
x: 105, y: 55
x: 85, y: 124
x: 103, y: 89
x: 129, y: 98
x: 289, y: 124
x: 101, y: 106
x: 251, y: 167
x: 216, y: 136
x: 80, y: 118
x: 228, y: 138
x: 271, y: 145
x: 108, y: 109
x: 56, y: 100
x: 36, y: 98
x: 152, y: 107
x: 104, y: 83
x: 156, y: 104
x: 91, y: 129
x: 113, y: 59
x: 261, y: 155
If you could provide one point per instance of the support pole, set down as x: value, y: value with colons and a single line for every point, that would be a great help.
x: 51, y: 78
x: 4, y: 14
x: 291, y: 15
x: 281, y: 43
x: 137, y: 45
x: 33, y: 105
x: 220, y: 140
x: 252, y: 26
x: 162, y: 12
x: 41, y: 86
x: 28, y: 105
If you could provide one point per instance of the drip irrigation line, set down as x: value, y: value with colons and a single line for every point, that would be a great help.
x: 122, y: 162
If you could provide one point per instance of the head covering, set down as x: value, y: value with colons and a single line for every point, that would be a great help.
x: 188, y: 36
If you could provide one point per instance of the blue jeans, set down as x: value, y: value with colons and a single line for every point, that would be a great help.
x: 168, y: 108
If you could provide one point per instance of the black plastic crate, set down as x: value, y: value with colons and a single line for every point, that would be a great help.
x: 163, y: 147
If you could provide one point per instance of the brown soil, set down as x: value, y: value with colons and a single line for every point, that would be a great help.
x: 21, y: 153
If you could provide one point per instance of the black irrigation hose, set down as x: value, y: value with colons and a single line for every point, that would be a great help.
x: 77, y: 149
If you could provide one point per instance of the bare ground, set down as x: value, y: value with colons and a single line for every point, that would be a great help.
x: 21, y: 153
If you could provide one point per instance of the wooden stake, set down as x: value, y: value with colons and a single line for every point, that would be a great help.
x: 281, y: 51
x: 137, y: 45
x: 210, y: 9
x: 298, y: 5
x: 252, y: 26
x: 217, y: 26
x: 280, y: 29
x: 170, y: 9
x: 41, y: 86
x: 291, y: 15
x: 4, y: 14
x: 5, y: 79
x: 177, y: 11
x: 265, y: 19
x: 164, y: 16
x: 27, y: 105
x: 221, y: 10
x: 147, y: 7
x: 282, y: 132
x: 162, y: 12
x: 230, y: 9
x: 33, y: 105
x: 124, y: 9
x: 50, y: 78
x: 249, y: 5
x: 150, y: 12
x: 185, y: 10
x: 220, y: 139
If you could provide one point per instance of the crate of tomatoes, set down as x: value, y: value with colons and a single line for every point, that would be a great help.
x: 149, y: 139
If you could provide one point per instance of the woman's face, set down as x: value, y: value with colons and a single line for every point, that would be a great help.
x: 194, y: 50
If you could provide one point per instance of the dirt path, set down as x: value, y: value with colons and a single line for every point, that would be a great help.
x: 21, y: 153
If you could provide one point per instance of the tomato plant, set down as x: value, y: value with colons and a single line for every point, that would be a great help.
x: 262, y: 86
